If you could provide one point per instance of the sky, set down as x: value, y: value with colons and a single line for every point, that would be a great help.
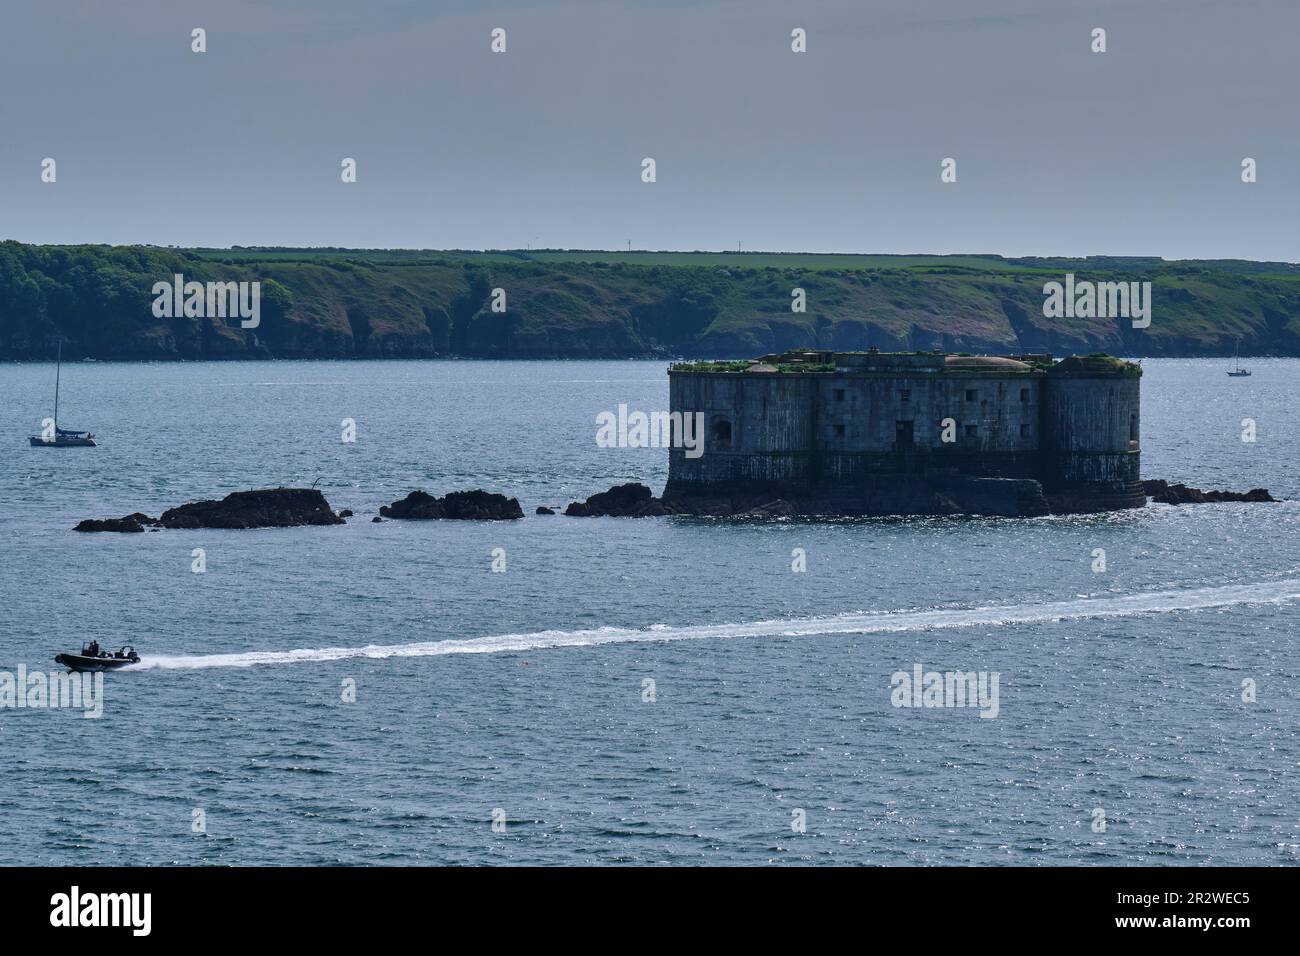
x: 1059, y: 150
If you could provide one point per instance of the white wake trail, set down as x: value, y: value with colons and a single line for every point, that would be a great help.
x: 1150, y: 602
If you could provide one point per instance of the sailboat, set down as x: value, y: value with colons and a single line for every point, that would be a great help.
x: 61, y: 437
x: 1238, y: 371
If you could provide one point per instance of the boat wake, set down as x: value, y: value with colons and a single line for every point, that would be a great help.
x: 878, y: 622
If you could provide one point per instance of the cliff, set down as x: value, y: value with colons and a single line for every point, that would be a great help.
x: 408, y: 304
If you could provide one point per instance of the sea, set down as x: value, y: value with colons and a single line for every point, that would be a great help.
x: 651, y: 691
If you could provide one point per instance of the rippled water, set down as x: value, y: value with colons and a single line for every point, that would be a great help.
x: 524, y: 690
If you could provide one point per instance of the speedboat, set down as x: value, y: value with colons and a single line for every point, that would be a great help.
x: 92, y: 658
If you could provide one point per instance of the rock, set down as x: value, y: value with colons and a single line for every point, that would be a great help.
x: 935, y: 495
x: 1258, y: 495
x: 780, y: 508
x: 633, y: 500
x: 376, y: 519
x: 130, y: 524
x: 270, y: 508
x: 543, y: 510
x: 345, y: 513
x: 1179, y: 494
x: 999, y: 497
x: 460, y: 505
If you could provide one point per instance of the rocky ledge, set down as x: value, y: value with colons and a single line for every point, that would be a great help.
x: 947, y: 495
x: 292, y: 507
x: 633, y: 500
x: 463, y: 505
x: 267, y: 508
x: 131, y: 523
x: 1177, y: 494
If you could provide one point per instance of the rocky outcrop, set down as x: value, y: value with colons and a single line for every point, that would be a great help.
x: 778, y: 508
x: 130, y: 524
x: 1179, y: 494
x: 1009, y: 497
x: 633, y: 500
x: 939, y: 496
x: 475, y: 505
x: 267, y: 508
x: 948, y: 495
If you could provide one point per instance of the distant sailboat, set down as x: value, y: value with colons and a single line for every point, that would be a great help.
x: 61, y: 437
x: 1238, y: 371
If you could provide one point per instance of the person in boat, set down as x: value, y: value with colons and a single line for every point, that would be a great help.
x: 93, y: 649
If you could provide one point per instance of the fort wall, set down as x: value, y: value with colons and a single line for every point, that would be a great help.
x: 809, y: 423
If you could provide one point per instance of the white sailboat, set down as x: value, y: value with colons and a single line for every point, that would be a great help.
x: 56, y: 437
x: 1238, y: 371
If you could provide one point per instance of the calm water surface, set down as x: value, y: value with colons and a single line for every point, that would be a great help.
x: 524, y: 690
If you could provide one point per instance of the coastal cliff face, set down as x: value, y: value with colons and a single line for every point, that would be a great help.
x: 392, y: 304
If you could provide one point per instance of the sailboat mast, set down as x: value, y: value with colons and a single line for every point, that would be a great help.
x: 58, y: 369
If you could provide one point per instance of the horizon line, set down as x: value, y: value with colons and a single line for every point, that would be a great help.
x: 525, y: 250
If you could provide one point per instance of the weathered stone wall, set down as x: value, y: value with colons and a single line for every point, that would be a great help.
x: 867, y: 411
x: 795, y: 431
x: 812, y: 428
x: 756, y: 427
x: 1091, y: 429
x: 872, y: 425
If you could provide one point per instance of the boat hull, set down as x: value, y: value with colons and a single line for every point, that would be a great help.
x: 81, y: 662
x: 62, y: 442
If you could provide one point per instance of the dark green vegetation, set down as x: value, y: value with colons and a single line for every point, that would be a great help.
x: 1088, y: 366
x: 340, y: 303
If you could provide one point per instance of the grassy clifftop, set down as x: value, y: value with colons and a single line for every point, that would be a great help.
x: 334, y: 303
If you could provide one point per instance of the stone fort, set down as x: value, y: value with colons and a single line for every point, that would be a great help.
x: 912, y: 433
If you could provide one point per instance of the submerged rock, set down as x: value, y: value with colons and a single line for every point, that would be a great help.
x: 475, y: 505
x: 633, y: 500
x: 543, y: 510
x: 1179, y: 494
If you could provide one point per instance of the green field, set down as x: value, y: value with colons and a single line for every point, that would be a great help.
x: 747, y: 260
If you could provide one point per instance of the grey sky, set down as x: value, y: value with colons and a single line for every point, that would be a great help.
x: 1060, y: 151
